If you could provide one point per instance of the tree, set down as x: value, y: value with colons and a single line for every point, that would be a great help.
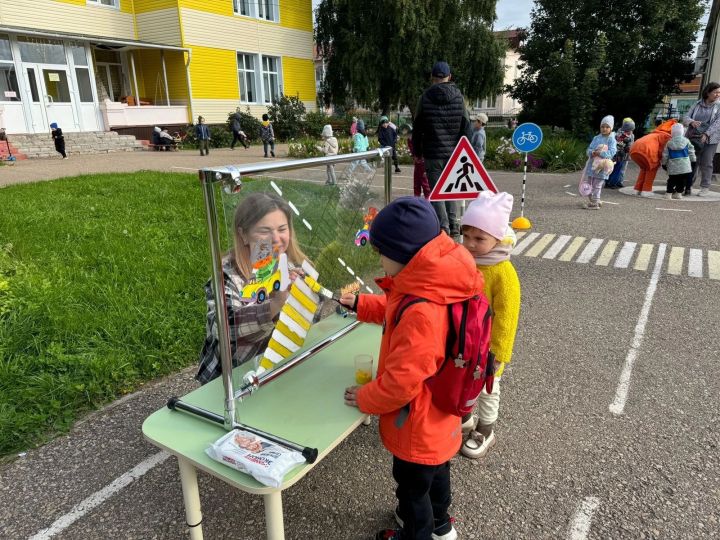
x: 379, y: 52
x: 609, y: 56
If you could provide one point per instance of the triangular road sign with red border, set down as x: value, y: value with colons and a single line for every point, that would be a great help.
x: 463, y: 177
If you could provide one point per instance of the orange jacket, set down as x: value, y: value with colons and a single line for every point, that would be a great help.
x: 444, y: 273
x: 647, y: 150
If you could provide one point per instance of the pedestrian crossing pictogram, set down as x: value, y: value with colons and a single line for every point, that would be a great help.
x: 463, y: 176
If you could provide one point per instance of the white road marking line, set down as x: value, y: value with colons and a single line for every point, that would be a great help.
x: 567, y: 185
x: 572, y: 249
x: 713, y: 264
x: 520, y: 234
x: 675, y: 261
x: 607, y: 253
x: 626, y: 253
x: 611, y: 202
x: 643, y: 258
x: 589, y: 251
x: 580, y: 524
x: 557, y: 246
x: 540, y: 245
x: 674, y: 209
x: 695, y: 268
x: 520, y: 246
x: 571, y: 194
x: 97, y: 498
x: 618, y: 405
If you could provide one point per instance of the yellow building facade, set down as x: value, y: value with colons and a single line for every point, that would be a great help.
x: 101, y: 64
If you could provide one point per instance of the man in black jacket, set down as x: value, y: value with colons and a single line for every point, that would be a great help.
x: 440, y: 120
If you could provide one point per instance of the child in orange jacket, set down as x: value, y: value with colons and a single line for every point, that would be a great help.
x: 418, y: 260
x: 647, y: 153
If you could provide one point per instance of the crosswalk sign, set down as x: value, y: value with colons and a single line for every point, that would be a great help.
x: 463, y: 176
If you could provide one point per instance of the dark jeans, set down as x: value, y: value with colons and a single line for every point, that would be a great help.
x: 423, y: 493
x: 445, y: 210
x: 204, y: 146
x: 676, y: 182
x: 60, y: 148
x: 271, y: 144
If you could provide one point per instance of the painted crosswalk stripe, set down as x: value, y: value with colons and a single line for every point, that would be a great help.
x: 626, y: 253
x: 643, y: 258
x: 695, y: 263
x: 524, y: 243
x: 520, y: 234
x: 540, y: 245
x: 607, y: 253
x: 676, y: 260
x: 713, y: 264
x: 589, y: 250
x: 572, y: 249
x: 557, y: 246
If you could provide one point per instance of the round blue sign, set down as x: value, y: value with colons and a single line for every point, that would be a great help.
x: 527, y: 137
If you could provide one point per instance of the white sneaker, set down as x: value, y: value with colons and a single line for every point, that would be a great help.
x: 646, y: 194
x: 677, y: 195
x: 703, y: 191
x: 477, y: 444
x: 668, y: 196
x: 469, y: 424
x: 638, y: 193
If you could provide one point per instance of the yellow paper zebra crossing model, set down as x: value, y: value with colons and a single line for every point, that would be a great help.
x: 296, y: 317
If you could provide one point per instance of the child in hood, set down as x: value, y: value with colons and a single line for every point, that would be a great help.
x: 489, y: 239
x: 624, y: 139
x: 329, y: 148
x: 417, y: 259
x: 678, y: 156
x: 603, y: 146
x: 58, y: 139
x: 267, y: 135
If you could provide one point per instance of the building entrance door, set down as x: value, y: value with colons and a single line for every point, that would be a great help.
x: 52, y: 100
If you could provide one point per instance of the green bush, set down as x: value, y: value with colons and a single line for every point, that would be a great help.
x: 562, y: 154
x: 314, y: 122
x: 248, y: 123
x: 286, y: 114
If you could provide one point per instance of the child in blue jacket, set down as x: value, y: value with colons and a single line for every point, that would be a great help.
x: 603, y: 146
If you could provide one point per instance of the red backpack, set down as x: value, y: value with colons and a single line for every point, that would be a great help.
x: 469, y: 365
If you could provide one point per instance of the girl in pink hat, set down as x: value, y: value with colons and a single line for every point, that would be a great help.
x: 489, y: 238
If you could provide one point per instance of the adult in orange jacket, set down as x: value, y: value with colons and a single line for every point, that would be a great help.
x: 647, y: 153
x: 421, y: 261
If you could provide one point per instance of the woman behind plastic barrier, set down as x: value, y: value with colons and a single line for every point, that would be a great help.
x: 260, y: 217
x: 703, y: 123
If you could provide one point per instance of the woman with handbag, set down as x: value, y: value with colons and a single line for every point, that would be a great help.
x: 703, y: 123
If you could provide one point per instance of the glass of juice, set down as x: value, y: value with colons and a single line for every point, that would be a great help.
x: 363, y: 368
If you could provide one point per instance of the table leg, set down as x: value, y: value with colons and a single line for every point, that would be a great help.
x: 366, y: 420
x: 191, y: 497
x: 274, y: 516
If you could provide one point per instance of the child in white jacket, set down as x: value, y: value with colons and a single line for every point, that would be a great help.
x: 329, y: 148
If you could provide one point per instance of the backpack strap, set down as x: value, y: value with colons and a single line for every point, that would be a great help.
x: 407, y: 301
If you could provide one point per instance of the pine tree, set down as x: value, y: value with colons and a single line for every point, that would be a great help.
x: 626, y: 55
x: 380, y: 52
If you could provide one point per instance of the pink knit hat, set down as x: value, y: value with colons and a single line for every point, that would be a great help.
x: 490, y: 212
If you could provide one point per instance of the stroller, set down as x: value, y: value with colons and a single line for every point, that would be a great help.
x: 9, y: 159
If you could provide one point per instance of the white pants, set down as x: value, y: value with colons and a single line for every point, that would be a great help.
x: 488, y: 405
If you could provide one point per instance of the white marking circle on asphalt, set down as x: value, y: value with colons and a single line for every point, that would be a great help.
x: 618, y: 405
x: 99, y: 497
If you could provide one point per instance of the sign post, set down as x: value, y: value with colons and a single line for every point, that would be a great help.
x: 526, y: 138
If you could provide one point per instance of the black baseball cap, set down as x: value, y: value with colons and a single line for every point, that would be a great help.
x: 441, y: 70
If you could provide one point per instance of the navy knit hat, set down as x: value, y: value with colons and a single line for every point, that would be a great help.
x: 441, y: 70
x: 403, y: 227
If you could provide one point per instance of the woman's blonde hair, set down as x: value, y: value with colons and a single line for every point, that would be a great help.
x: 251, y: 210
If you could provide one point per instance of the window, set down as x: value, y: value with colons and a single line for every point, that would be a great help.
x: 56, y: 85
x: 41, y: 51
x: 108, y: 3
x: 241, y: 7
x: 78, y: 55
x: 33, y: 85
x: 246, y: 74
x: 84, y: 86
x: 5, y: 50
x: 271, y: 79
x: 9, y: 90
x: 259, y: 9
x: 266, y: 10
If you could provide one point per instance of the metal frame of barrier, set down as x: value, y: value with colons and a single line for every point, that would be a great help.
x: 231, y: 177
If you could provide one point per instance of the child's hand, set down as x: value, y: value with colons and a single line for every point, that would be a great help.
x: 497, y: 364
x: 350, y: 396
x: 349, y: 300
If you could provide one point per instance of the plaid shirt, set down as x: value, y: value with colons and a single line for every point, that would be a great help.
x: 250, y: 326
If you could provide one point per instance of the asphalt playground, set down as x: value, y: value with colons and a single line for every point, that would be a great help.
x: 609, y: 424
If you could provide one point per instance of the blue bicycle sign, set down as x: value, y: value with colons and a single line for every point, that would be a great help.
x: 527, y: 137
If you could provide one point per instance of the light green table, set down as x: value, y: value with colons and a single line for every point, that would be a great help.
x: 304, y: 405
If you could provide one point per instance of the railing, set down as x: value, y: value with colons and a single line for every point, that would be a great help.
x: 231, y: 177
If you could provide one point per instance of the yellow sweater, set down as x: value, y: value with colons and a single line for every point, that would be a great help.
x: 502, y: 288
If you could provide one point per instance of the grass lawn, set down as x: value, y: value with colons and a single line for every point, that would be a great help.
x: 101, y: 287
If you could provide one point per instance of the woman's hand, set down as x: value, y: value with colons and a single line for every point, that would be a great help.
x: 704, y: 138
x: 695, y: 123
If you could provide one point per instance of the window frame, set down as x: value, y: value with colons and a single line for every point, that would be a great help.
x: 259, y: 74
x: 242, y: 73
x: 256, y: 9
x: 277, y: 73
